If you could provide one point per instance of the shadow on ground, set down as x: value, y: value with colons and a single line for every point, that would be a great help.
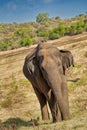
x: 17, y: 122
x: 14, y: 123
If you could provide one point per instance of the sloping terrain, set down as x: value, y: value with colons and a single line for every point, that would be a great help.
x: 19, y: 106
x: 16, y: 35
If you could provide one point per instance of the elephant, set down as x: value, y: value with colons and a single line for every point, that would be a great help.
x: 45, y: 68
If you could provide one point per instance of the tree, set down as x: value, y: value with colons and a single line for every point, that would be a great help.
x: 41, y: 17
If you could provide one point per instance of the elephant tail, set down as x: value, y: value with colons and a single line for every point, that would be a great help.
x: 73, y: 80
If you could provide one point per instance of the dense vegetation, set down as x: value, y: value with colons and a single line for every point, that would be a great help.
x: 17, y: 35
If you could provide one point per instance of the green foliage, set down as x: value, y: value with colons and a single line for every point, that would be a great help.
x: 43, y: 34
x: 53, y: 35
x: 85, y: 26
x: 23, y: 32
x: 42, y: 17
x: 57, y: 32
x: 79, y: 27
x: 75, y: 28
x: 72, y: 30
x: 61, y: 29
x: 67, y: 30
x: 16, y: 35
x: 4, y: 45
x: 26, y: 41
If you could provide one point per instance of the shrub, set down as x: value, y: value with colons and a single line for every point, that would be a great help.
x: 22, y: 32
x: 67, y: 30
x: 57, y: 32
x: 26, y: 41
x: 79, y: 30
x: 61, y: 29
x: 53, y: 35
x: 72, y: 30
x: 44, y: 35
x: 4, y: 45
x: 85, y: 26
x: 79, y: 27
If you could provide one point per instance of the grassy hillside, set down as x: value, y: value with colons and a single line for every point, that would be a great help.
x: 25, y: 34
x: 19, y: 106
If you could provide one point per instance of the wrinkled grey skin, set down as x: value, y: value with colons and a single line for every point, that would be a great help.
x: 45, y: 68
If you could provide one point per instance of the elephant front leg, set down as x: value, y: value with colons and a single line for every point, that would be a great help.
x: 56, y: 115
x: 44, y: 109
x: 65, y: 98
x: 52, y: 73
x: 43, y: 105
x: 63, y: 106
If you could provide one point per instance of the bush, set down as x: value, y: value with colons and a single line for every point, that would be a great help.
x: 79, y: 27
x: 85, y: 27
x: 44, y: 35
x: 4, y: 45
x: 26, y: 41
x: 53, y: 35
x: 67, y: 30
x: 79, y: 30
x: 57, y: 32
x: 61, y: 29
x: 24, y: 32
x: 72, y: 30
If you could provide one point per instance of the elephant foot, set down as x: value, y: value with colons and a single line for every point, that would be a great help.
x: 45, y: 116
x: 57, y: 119
x: 66, y: 117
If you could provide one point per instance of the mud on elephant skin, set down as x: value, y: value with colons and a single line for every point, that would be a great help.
x: 45, y: 68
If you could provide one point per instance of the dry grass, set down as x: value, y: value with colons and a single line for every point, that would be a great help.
x: 19, y: 107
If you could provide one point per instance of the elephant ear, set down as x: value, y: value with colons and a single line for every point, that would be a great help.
x: 67, y: 59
